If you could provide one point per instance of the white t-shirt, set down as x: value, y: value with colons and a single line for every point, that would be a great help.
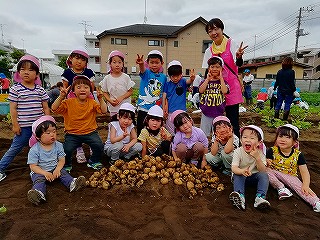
x: 207, y: 54
x: 116, y: 87
x: 243, y: 160
x: 248, y: 78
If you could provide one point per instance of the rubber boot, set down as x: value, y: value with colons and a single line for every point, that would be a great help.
x: 285, y: 115
x: 276, y: 113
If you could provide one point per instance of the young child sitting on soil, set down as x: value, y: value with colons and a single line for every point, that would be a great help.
x: 155, y: 138
x: 28, y: 102
x: 80, y: 120
x: 284, y: 159
x: 122, y: 137
x: 46, y: 159
x: 190, y: 144
x: 249, y: 166
x: 224, y: 142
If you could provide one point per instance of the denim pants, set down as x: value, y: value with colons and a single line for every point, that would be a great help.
x: 39, y: 180
x: 247, y: 91
x: 115, y: 151
x: 259, y: 178
x: 72, y: 141
x: 287, y: 101
x: 18, y: 143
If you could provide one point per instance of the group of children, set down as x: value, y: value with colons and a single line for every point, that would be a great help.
x: 166, y: 130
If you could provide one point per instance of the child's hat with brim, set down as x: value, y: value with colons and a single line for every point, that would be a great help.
x: 174, y: 114
x: 16, y: 75
x: 155, y: 52
x: 220, y: 118
x: 127, y: 107
x: 174, y: 63
x: 80, y: 50
x: 33, y: 139
x: 155, y: 111
x: 294, y: 128
x: 254, y: 127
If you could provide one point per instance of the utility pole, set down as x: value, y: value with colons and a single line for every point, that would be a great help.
x: 2, y: 35
x: 299, y: 31
x: 145, y: 19
x: 86, y: 25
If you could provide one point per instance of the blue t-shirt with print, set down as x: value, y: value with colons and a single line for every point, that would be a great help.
x: 151, y: 89
x: 176, y: 94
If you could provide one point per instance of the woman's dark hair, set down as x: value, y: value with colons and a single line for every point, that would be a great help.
x: 42, y: 127
x: 219, y: 123
x: 174, y: 70
x: 122, y: 59
x: 285, y: 131
x: 127, y: 113
x: 72, y: 55
x: 81, y: 80
x: 287, y: 63
x: 154, y: 56
x: 180, y: 119
x: 27, y: 63
x: 214, y: 60
x: 214, y: 22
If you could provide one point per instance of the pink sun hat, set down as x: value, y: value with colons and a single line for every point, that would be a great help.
x: 111, y: 55
x: 174, y: 114
x: 33, y: 139
x: 80, y: 50
x: 220, y: 118
x: 16, y: 75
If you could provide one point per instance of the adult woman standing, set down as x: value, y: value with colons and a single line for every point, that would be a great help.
x: 227, y: 49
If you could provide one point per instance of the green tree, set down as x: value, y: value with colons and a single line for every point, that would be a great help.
x: 16, y: 55
x: 62, y: 62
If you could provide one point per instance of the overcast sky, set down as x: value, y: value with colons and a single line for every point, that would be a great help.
x: 40, y: 26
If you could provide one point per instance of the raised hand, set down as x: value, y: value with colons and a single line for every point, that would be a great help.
x: 64, y: 91
x: 192, y: 74
x: 240, y: 50
x: 139, y: 59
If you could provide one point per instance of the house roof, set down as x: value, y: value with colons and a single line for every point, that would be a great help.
x: 149, y: 30
x: 260, y: 64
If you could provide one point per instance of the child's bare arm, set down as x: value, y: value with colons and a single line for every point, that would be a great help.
x: 144, y: 148
x: 46, y: 108
x: 125, y: 96
x: 62, y: 96
x: 305, y: 175
x: 140, y: 62
x: 103, y: 105
x: 14, y: 118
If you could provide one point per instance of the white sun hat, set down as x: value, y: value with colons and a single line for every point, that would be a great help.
x: 294, y: 128
x: 128, y: 107
x: 174, y: 63
x: 156, y: 111
x: 155, y: 52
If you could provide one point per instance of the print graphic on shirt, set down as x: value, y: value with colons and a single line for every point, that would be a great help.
x: 212, y: 95
x: 152, y: 91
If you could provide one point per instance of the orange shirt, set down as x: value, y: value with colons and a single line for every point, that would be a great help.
x: 79, y: 118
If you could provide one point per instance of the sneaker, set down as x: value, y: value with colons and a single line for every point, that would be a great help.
x: 2, y: 176
x: 35, y: 196
x: 81, y: 158
x: 77, y: 183
x: 95, y: 166
x: 284, y: 193
x: 261, y: 203
x: 68, y: 168
x: 316, y: 207
x: 237, y: 200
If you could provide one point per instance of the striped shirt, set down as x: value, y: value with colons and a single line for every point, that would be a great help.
x: 29, y: 103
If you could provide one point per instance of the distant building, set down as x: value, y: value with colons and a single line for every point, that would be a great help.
x: 184, y: 43
x: 92, y: 45
x: 306, y: 67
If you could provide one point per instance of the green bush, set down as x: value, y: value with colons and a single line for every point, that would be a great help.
x: 313, y: 99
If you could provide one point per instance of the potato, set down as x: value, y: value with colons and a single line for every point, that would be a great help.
x: 105, y: 185
x: 220, y: 187
x: 190, y: 185
x: 164, y: 180
x: 152, y: 174
x: 178, y: 181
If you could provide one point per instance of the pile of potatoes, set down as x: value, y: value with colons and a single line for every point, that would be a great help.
x: 164, y: 168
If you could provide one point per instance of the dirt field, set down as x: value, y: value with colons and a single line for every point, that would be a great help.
x: 153, y: 211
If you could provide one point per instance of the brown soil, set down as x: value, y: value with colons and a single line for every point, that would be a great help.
x: 153, y: 211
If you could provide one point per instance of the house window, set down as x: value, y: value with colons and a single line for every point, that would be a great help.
x: 206, y: 44
x: 154, y: 43
x: 187, y: 72
x: 176, y: 44
x: 119, y: 41
x: 271, y: 76
x: 96, y: 44
x: 97, y: 60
